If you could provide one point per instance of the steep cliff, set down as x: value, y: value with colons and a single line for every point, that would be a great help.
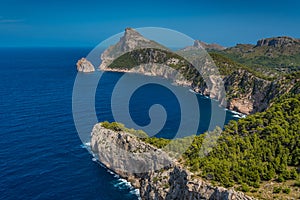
x: 151, y: 170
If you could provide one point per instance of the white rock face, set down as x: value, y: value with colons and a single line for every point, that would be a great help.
x: 151, y: 170
x: 83, y: 65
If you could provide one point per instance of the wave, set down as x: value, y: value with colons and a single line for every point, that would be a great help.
x: 124, y: 184
x: 121, y: 183
x: 236, y: 114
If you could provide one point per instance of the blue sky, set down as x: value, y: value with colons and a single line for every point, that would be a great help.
x: 87, y: 23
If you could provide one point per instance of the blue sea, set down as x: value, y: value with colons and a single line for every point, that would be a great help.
x: 42, y: 156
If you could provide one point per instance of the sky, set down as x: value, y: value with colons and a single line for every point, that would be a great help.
x: 87, y: 23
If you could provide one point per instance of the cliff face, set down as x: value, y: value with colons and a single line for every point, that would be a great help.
x: 249, y: 94
x: 156, y: 175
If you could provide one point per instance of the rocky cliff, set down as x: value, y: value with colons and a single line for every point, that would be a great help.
x: 248, y: 93
x: 83, y: 65
x: 131, y: 40
x: 151, y: 170
x: 281, y: 42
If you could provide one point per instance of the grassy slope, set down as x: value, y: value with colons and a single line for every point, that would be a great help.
x: 225, y: 65
x: 268, y: 60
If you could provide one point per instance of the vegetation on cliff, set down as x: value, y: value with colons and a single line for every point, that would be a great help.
x: 262, y: 147
x: 250, y: 152
x: 115, y: 126
x: 134, y: 58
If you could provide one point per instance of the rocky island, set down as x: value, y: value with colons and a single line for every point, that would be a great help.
x: 83, y: 65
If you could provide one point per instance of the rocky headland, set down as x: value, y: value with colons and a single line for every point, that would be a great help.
x: 152, y: 171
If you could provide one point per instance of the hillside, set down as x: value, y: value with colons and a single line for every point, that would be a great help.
x: 260, y: 153
x: 272, y: 55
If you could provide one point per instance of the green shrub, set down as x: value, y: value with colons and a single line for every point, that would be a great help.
x: 286, y: 190
x: 277, y: 190
x: 244, y: 188
x: 297, y: 183
x: 280, y: 179
x: 115, y: 126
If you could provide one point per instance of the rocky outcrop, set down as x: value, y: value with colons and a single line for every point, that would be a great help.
x: 131, y: 40
x: 281, y: 42
x: 201, y: 44
x: 151, y: 170
x: 83, y: 65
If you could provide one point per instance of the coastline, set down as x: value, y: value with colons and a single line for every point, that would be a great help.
x: 173, y: 181
x: 122, y: 180
x: 182, y: 84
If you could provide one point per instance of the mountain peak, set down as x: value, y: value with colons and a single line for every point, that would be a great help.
x: 204, y: 45
x: 130, y: 35
x: 129, y: 41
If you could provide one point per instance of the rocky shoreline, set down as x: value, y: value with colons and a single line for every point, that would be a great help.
x: 234, y: 106
x: 161, y: 178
